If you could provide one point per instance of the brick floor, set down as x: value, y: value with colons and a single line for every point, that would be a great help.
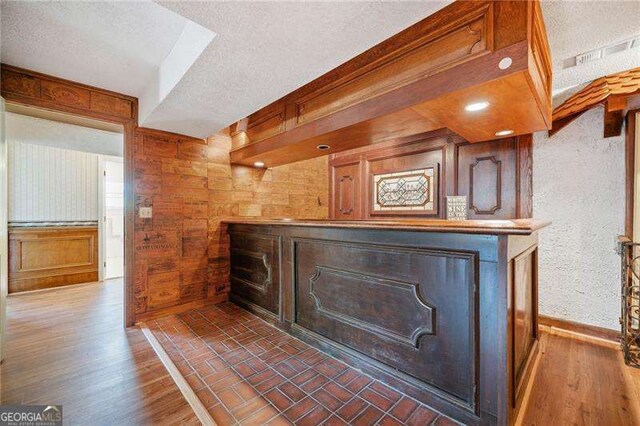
x: 247, y: 372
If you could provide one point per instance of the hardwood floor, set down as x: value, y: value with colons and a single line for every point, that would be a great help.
x: 579, y: 382
x: 68, y: 346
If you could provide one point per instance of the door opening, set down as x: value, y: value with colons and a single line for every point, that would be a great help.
x: 112, y: 229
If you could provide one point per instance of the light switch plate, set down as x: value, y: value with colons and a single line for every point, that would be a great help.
x: 146, y: 212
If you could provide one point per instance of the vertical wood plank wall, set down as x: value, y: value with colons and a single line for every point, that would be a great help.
x: 51, y: 184
x: 181, y: 253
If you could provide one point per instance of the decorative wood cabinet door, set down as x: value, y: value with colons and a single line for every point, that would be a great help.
x: 487, y: 176
x: 347, y: 199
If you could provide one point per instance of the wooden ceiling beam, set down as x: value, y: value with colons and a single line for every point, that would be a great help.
x: 613, y: 121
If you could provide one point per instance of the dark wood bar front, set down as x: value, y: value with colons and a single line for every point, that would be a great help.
x: 445, y: 311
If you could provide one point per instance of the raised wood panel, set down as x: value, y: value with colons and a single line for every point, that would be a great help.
x: 20, y: 84
x: 540, y: 71
x: 423, y: 58
x: 66, y: 94
x: 269, y: 125
x: 401, y: 309
x: 525, y: 324
x: 40, y: 90
x: 255, y: 271
x: 346, y: 180
x: 487, y: 176
x: 495, y: 175
x: 49, y: 257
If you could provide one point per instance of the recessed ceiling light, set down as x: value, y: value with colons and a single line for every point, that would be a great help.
x: 477, y: 106
x: 505, y: 63
x: 258, y: 164
x: 323, y: 147
x: 505, y: 132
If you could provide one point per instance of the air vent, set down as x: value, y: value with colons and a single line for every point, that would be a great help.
x: 588, y: 57
x: 603, y: 52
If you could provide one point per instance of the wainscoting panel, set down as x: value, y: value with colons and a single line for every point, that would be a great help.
x: 255, y: 270
x: 52, y: 256
x: 350, y: 293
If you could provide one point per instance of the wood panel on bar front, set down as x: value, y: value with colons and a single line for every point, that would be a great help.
x: 417, y: 81
x: 450, y: 318
x: 45, y: 257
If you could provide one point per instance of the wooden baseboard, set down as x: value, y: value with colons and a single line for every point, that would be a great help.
x: 579, y: 328
x: 172, y: 310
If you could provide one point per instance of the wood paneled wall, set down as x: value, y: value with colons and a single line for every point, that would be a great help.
x: 299, y: 190
x: 171, y: 263
x: 495, y: 176
x: 51, y: 257
x: 181, y: 253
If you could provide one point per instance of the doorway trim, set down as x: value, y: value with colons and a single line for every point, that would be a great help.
x: 29, y: 88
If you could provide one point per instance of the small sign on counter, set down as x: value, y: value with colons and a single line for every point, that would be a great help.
x: 456, y: 207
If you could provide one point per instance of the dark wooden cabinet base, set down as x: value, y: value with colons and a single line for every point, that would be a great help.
x: 449, y: 318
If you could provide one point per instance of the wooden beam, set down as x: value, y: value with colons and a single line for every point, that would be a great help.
x: 613, y: 123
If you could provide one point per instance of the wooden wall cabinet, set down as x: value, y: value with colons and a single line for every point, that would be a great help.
x: 417, y: 81
x: 52, y: 256
x: 495, y: 176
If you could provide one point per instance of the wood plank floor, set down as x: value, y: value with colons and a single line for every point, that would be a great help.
x: 68, y: 346
x: 582, y: 383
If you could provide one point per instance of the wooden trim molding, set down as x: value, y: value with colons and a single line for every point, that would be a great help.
x: 630, y: 170
x: 37, y: 90
x: 187, y: 392
x: 591, y: 331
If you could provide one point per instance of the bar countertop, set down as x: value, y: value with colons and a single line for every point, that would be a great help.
x: 490, y: 227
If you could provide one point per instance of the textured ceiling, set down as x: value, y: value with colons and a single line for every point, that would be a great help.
x: 38, y: 131
x: 262, y: 50
x: 575, y: 27
x: 112, y: 45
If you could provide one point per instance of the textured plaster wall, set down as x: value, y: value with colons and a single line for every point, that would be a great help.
x: 578, y: 183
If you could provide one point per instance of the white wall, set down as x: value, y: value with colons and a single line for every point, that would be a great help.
x: 579, y: 183
x: 51, y: 184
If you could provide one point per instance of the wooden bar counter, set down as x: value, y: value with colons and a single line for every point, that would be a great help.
x: 444, y: 310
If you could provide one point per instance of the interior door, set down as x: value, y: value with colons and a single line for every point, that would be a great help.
x: 4, y: 265
x: 113, y: 219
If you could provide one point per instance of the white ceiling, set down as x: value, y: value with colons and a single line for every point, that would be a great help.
x: 575, y: 27
x: 112, y: 45
x: 39, y: 131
